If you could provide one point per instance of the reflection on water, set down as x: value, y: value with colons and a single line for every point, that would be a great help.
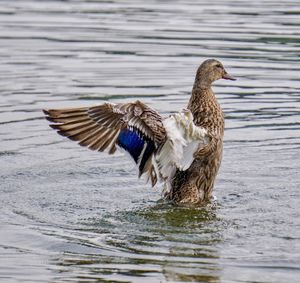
x: 70, y: 215
x: 171, y: 243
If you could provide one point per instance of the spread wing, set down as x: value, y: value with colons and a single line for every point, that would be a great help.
x: 134, y: 127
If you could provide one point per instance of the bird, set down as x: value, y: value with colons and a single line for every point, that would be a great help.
x: 183, y: 151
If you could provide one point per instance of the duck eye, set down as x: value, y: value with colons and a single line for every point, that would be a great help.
x: 219, y: 66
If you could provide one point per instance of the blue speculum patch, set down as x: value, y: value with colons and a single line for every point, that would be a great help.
x: 131, y: 142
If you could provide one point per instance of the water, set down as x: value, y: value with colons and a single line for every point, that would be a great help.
x: 71, y: 215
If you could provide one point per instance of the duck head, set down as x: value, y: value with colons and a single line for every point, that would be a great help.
x: 209, y: 71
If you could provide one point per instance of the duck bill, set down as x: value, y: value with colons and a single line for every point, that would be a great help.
x: 226, y: 76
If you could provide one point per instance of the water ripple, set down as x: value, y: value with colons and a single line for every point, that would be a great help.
x: 69, y: 214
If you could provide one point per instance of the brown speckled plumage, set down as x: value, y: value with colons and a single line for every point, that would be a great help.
x: 183, y: 150
x: 195, y: 184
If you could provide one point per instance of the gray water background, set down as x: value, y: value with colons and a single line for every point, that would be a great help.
x: 68, y: 214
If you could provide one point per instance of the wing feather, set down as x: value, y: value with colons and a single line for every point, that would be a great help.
x: 184, y: 138
x: 99, y: 128
x: 159, y: 147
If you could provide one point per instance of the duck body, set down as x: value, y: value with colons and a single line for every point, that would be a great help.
x: 196, y: 183
x: 183, y: 151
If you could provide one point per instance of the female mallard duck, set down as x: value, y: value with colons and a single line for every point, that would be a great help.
x: 184, y: 150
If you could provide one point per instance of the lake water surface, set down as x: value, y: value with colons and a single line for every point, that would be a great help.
x: 68, y: 214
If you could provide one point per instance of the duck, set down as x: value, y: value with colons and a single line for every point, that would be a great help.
x: 182, y: 151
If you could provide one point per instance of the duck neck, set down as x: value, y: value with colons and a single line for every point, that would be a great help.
x: 206, y: 110
x: 203, y: 80
x: 200, y: 94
